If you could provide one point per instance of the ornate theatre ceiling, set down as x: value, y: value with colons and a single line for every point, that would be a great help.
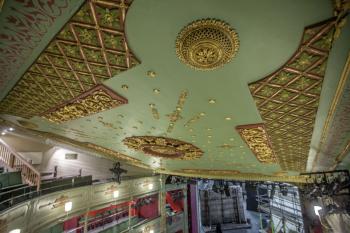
x: 222, y: 89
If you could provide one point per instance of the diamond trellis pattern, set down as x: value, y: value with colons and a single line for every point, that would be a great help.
x: 288, y: 99
x: 88, y: 50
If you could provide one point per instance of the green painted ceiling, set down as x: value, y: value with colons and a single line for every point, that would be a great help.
x: 269, y: 32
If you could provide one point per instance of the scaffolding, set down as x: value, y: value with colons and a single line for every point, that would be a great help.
x: 281, y: 204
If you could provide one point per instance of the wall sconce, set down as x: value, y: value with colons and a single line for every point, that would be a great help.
x: 150, y: 186
x: 115, y: 193
x: 68, y: 206
x: 15, y: 231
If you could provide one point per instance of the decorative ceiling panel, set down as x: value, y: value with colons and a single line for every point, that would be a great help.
x: 288, y: 99
x: 90, y: 49
x: 258, y: 141
x: 98, y: 99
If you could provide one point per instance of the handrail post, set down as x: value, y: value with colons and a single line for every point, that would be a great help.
x: 12, y: 161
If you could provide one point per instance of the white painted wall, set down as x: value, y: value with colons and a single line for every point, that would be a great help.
x: 34, y: 157
x: 90, y: 165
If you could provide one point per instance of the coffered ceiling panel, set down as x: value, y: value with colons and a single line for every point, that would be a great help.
x: 89, y: 49
x: 288, y: 99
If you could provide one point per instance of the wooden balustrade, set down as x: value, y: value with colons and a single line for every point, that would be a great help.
x: 14, y: 161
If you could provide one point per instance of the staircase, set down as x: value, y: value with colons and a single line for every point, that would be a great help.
x: 14, y: 161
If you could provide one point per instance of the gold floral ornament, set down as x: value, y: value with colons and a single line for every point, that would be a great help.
x: 207, y: 44
x: 98, y: 99
x: 256, y: 138
x: 163, y: 147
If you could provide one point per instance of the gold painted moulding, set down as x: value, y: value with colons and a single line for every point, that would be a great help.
x: 232, y: 175
x: 207, y: 44
x: 255, y: 136
x: 99, y: 98
x: 168, y: 148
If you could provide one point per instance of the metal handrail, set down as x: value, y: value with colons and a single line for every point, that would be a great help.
x: 32, y: 194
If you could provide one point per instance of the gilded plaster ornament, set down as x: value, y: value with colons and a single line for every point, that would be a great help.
x: 257, y: 139
x: 207, y: 44
x: 98, y: 99
x: 163, y: 147
x: 288, y: 98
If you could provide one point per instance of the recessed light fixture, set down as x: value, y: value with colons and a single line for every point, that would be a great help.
x: 125, y: 87
x: 156, y: 91
x: 115, y: 193
x: 11, y: 129
x: 3, y: 133
x: 202, y: 114
x: 228, y: 118
x: 150, y: 186
x: 68, y: 206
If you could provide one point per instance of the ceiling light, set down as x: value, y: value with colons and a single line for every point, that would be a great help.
x: 212, y: 101
x: 11, y: 129
x: 156, y: 91
x: 150, y: 186
x: 316, y: 209
x: 202, y: 114
x: 125, y: 87
x: 3, y: 133
x: 151, y: 231
x: 228, y: 118
x: 68, y: 206
x: 15, y: 231
x: 151, y: 74
x: 116, y: 193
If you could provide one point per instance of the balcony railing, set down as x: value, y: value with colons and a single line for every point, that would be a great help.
x: 13, y: 160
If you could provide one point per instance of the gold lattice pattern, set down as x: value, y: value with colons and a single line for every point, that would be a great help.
x: 288, y: 99
x: 88, y: 50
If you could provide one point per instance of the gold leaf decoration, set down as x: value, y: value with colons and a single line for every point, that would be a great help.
x: 88, y: 50
x: 206, y: 44
x: 163, y: 147
x: 257, y: 139
x: 98, y: 99
x: 176, y: 114
x: 288, y: 98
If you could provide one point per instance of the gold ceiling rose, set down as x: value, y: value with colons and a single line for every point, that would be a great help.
x: 257, y: 139
x: 163, y: 147
x: 207, y: 44
x: 98, y: 99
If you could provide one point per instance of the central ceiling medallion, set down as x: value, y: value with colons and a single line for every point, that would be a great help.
x: 163, y: 147
x: 207, y: 44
